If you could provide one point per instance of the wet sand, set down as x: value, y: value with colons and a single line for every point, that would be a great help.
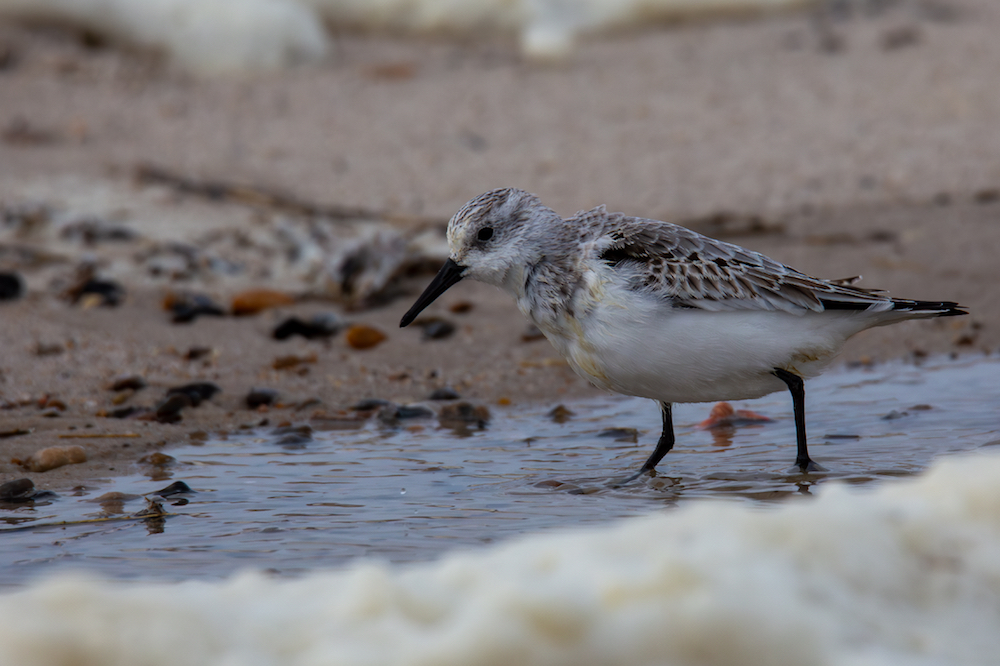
x: 879, y: 157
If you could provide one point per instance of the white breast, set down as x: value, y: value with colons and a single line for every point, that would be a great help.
x: 633, y: 343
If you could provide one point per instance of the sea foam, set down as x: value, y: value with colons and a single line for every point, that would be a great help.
x: 908, y: 573
x: 215, y: 36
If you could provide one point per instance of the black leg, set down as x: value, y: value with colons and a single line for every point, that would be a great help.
x: 663, y: 446
x: 797, y: 388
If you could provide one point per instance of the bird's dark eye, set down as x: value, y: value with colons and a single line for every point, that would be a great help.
x: 485, y: 234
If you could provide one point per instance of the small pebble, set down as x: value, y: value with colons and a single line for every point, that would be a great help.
x: 392, y: 414
x: 169, y: 411
x: 196, y: 391
x: 461, y: 307
x: 261, y: 396
x: 986, y: 196
x: 188, y: 307
x: 292, y: 361
x: 96, y: 230
x: 464, y: 413
x: 48, y: 349
x: 114, y: 496
x: 893, y: 415
x: 435, y: 328
x: 444, y: 393
x: 360, y: 336
x: 18, y: 489
x: 724, y: 415
x: 104, y: 292
x: 370, y: 404
x: 175, y: 488
x: 253, y: 301
x: 55, y: 404
x: 293, y: 437
x: 157, y: 458
x: 53, y: 457
x: 621, y: 434
x: 194, y: 353
x: 128, y: 412
x: 11, y: 286
x: 413, y: 412
x: 560, y: 414
x: 322, y: 325
x: 308, y: 402
x: 123, y: 382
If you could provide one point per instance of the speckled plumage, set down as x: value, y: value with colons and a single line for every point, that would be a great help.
x: 656, y: 310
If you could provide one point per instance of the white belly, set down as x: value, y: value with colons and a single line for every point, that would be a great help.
x: 634, y: 345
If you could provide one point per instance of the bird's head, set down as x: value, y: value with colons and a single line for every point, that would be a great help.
x: 487, y: 237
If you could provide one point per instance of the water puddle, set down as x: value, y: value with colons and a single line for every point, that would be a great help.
x: 409, y: 493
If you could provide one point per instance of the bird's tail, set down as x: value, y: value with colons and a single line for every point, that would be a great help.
x: 927, y: 309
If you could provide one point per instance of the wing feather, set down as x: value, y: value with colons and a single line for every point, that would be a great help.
x: 695, y: 271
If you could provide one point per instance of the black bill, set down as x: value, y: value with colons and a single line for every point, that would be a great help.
x: 449, y: 274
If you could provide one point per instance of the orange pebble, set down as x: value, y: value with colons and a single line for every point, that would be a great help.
x: 360, y: 336
x: 723, y: 414
x: 253, y: 301
x: 53, y: 457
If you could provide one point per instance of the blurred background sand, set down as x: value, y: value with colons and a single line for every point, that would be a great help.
x: 842, y: 138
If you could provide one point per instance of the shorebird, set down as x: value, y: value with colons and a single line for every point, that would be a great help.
x: 655, y: 310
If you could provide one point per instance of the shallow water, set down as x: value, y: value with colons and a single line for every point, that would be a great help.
x: 410, y: 493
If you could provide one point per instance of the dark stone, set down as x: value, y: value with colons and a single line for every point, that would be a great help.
x: 134, y: 382
x: 464, y: 413
x: 112, y: 294
x: 169, y: 411
x: 560, y: 414
x: 413, y: 412
x: 18, y: 489
x: 369, y: 404
x: 95, y: 230
x: 11, y: 286
x: 175, y: 488
x: 195, y: 391
x: 189, y: 307
x: 194, y: 353
x: 293, y: 441
x: 437, y: 329
x: 293, y: 437
x: 444, y: 393
x: 261, y: 396
x: 317, y: 326
x: 391, y: 414
x: 127, y: 412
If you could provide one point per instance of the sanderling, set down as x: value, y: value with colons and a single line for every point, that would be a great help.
x: 653, y: 309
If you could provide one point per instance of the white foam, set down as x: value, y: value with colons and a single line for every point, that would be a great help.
x: 209, y: 36
x: 908, y: 574
x: 246, y: 35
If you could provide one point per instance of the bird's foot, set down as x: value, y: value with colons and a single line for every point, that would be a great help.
x: 806, y: 467
x: 629, y: 479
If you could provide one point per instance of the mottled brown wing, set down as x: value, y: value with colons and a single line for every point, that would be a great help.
x: 696, y: 271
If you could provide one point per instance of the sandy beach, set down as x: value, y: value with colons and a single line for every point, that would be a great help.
x: 865, y: 147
